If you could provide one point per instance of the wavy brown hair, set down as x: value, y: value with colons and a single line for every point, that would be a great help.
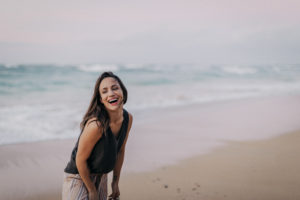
x: 96, y: 108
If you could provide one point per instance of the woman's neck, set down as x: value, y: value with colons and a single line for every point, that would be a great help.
x: 115, y: 116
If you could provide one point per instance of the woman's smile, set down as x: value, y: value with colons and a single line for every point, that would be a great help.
x: 113, y: 101
x: 111, y: 93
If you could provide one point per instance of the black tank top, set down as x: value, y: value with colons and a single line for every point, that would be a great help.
x: 104, y: 154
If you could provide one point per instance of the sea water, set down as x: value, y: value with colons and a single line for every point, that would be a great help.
x: 42, y: 102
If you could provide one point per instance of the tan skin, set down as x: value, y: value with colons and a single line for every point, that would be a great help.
x: 109, y: 89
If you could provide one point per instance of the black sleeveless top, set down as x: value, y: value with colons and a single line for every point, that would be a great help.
x: 104, y: 154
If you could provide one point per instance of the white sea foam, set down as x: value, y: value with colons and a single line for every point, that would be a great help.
x: 240, y: 70
x: 37, y: 122
x: 182, y: 94
x: 133, y: 66
x: 48, y: 102
x: 98, y: 67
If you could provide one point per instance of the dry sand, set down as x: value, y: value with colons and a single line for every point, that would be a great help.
x: 261, y: 170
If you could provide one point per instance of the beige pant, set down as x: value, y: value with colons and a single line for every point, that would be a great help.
x: 74, y: 188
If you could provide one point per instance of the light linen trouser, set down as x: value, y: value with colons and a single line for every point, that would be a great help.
x: 74, y: 188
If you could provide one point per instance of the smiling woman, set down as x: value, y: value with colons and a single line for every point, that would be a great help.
x: 101, y: 145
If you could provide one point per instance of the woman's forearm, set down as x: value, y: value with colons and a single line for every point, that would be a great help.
x: 118, y: 167
x: 85, y: 175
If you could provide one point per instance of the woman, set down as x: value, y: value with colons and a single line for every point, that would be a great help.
x: 101, y: 145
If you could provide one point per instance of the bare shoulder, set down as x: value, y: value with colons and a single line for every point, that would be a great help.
x: 93, y: 120
x: 92, y: 128
x: 89, y: 137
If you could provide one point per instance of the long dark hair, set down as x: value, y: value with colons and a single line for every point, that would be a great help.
x: 97, y: 108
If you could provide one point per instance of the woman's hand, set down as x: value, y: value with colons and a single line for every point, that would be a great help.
x: 93, y: 195
x: 115, y: 191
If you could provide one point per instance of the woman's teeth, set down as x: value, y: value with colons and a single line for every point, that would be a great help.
x: 113, y: 101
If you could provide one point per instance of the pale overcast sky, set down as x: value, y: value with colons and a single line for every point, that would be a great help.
x: 153, y: 31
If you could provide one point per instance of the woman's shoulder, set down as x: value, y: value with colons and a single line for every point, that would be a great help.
x: 93, y: 123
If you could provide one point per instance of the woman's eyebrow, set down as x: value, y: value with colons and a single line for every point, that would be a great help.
x: 105, y: 88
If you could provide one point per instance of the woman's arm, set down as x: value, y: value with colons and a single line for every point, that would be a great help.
x: 89, y: 137
x: 119, y: 163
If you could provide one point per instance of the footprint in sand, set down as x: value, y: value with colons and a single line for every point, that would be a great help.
x: 156, y: 180
x: 197, y: 184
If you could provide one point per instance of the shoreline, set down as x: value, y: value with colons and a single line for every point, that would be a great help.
x: 149, y: 112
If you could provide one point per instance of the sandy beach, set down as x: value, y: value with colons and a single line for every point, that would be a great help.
x: 244, y: 149
x: 267, y: 169
x: 213, y: 88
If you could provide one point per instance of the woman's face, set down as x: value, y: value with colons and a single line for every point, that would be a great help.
x: 111, y: 93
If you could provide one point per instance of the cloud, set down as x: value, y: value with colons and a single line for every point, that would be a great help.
x: 144, y: 31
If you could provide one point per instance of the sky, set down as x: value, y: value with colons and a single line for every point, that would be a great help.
x: 153, y: 31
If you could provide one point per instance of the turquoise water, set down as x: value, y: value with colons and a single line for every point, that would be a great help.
x: 40, y: 102
x: 24, y: 79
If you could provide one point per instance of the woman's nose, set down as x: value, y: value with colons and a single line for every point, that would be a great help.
x: 110, y: 92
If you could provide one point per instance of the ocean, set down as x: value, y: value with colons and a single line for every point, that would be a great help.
x: 44, y: 102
